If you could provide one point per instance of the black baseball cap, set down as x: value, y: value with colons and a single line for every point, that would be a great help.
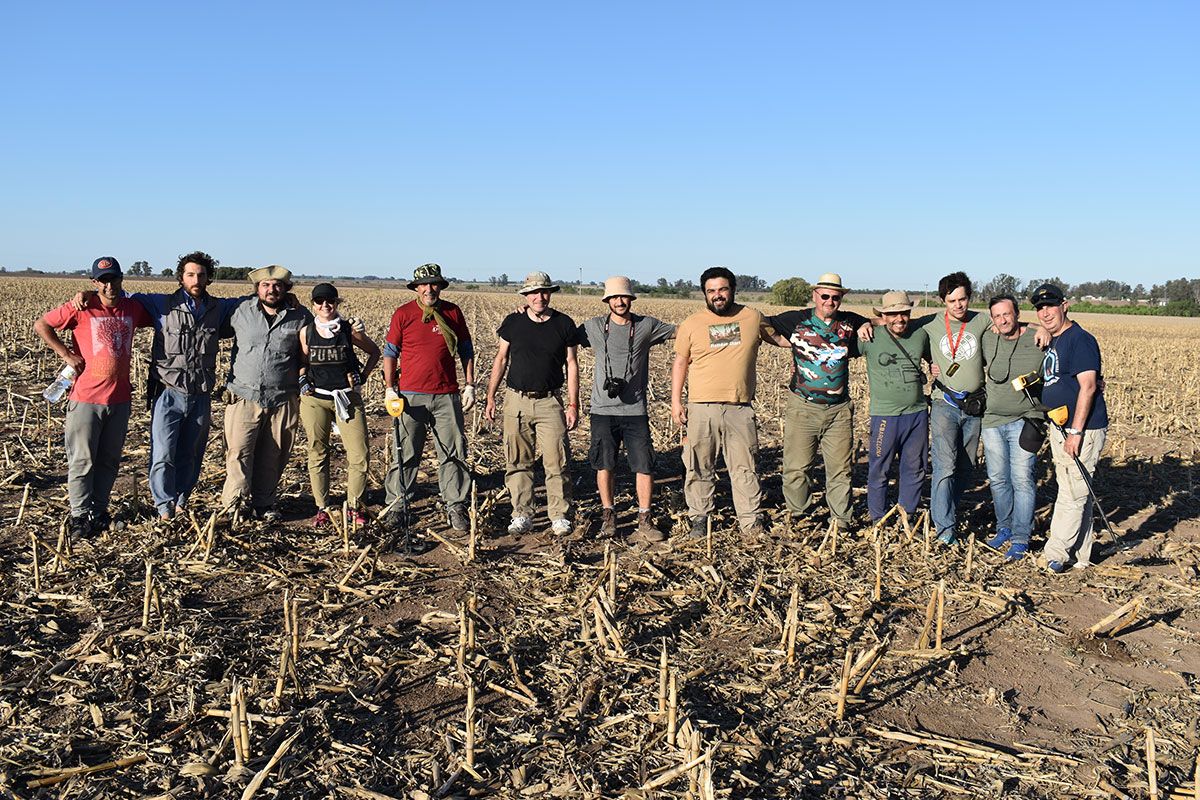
x: 324, y: 291
x: 105, y: 265
x: 1047, y: 295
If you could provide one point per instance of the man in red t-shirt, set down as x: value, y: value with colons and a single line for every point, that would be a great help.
x: 98, y: 407
x: 422, y: 341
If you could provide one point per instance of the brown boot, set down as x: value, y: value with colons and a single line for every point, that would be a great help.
x: 608, y: 522
x: 646, y: 533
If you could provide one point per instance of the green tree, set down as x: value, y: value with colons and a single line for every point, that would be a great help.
x: 1001, y: 284
x: 791, y: 292
x: 140, y: 268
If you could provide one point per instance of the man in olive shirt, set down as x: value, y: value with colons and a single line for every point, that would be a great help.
x: 1006, y: 355
x: 899, y: 409
x: 954, y: 343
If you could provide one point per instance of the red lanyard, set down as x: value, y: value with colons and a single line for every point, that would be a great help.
x: 954, y: 342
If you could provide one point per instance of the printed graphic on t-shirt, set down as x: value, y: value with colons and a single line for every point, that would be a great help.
x: 1050, y: 367
x: 909, y: 373
x: 724, y: 334
x: 968, y: 346
x: 112, y: 336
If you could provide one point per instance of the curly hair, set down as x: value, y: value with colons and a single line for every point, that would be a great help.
x: 718, y: 272
x: 198, y: 257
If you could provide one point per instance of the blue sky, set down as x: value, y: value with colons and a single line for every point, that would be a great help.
x: 891, y: 142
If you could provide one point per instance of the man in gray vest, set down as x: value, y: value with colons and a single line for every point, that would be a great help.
x: 260, y: 422
x: 183, y: 370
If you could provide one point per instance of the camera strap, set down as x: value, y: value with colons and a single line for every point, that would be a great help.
x: 628, y: 355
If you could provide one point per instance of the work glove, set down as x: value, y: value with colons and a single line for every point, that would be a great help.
x: 306, y: 387
x: 468, y: 397
x: 390, y: 395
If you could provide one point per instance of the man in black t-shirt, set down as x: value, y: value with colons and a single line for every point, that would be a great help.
x: 535, y: 345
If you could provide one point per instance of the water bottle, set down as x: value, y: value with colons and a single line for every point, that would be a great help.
x: 55, y: 391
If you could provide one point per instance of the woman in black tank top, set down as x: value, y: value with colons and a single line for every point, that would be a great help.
x: 331, y: 378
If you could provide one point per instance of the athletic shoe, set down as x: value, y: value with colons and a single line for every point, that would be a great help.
x: 80, y: 527
x: 1001, y: 538
x: 561, y: 526
x: 359, y: 517
x: 699, y: 528
x: 459, y: 519
x: 101, y: 522
x: 1016, y: 551
x: 947, y: 537
x: 1056, y: 567
x: 520, y: 525
x: 393, y: 520
x: 608, y: 522
x: 268, y: 514
x: 322, y: 519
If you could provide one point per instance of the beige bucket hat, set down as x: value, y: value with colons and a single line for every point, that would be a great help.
x: 273, y: 272
x: 535, y: 281
x: 894, y: 302
x: 830, y: 280
x: 618, y: 286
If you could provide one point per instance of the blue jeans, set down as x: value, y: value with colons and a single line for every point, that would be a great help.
x: 1010, y: 473
x: 178, y: 436
x: 954, y: 443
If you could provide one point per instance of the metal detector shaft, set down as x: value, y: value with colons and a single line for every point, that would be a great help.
x: 402, y: 497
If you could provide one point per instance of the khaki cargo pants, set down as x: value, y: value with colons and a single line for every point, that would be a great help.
x: 530, y: 422
x: 729, y: 429
x: 1071, y: 533
x: 807, y: 427
x: 258, y: 444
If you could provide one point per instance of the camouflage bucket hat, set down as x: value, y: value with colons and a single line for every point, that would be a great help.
x: 428, y: 273
x: 537, y: 281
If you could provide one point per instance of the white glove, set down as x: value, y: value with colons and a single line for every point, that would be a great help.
x: 468, y: 398
x: 357, y: 324
x: 390, y: 395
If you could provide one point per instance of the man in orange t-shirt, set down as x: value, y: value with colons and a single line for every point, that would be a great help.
x: 98, y: 407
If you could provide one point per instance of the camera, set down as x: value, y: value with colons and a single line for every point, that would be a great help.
x: 1026, y: 381
x: 615, y: 386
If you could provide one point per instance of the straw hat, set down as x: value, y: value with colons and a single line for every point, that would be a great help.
x: 830, y: 280
x: 618, y: 286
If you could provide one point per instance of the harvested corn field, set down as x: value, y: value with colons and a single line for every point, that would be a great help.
x: 227, y: 658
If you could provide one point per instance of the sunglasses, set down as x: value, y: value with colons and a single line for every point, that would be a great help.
x: 830, y: 296
x: 324, y: 302
x: 109, y: 279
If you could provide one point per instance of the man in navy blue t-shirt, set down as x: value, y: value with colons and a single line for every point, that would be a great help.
x: 1071, y: 377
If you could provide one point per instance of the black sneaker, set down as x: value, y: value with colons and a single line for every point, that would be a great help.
x: 80, y: 527
x: 459, y: 519
x: 101, y: 522
x: 268, y: 514
x: 699, y: 529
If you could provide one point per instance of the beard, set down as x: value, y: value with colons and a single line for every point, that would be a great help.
x: 273, y: 302
x: 725, y: 311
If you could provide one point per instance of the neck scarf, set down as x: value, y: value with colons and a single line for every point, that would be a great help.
x: 432, y: 312
x: 328, y: 329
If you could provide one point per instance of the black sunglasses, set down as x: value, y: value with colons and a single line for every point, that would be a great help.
x: 830, y: 296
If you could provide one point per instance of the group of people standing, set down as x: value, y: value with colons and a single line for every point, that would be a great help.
x: 291, y: 364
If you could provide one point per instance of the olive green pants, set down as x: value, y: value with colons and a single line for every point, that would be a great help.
x: 318, y: 415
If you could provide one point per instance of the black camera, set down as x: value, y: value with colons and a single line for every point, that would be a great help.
x: 615, y: 386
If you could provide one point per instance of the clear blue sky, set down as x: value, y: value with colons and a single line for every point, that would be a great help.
x: 892, y: 142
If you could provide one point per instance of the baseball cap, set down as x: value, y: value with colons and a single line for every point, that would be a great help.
x: 324, y: 291
x: 105, y: 265
x: 1047, y: 295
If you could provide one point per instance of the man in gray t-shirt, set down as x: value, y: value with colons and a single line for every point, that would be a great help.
x: 621, y: 341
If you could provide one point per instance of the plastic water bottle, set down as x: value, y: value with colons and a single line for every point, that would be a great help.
x: 55, y: 391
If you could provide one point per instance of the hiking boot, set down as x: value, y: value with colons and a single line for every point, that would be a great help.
x: 322, y: 520
x: 608, y: 522
x: 646, y: 533
x: 80, y: 527
x: 561, y: 526
x: 1016, y: 551
x: 699, y: 528
x: 393, y: 520
x: 753, y: 534
x: 101, y: 522
x: 268, y: 514
x: 1001, y: 538
x: 459, y: 519
x: 947, y: 537
x: 519, y: 525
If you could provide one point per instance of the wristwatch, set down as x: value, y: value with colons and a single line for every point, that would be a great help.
x: 1072, y: 432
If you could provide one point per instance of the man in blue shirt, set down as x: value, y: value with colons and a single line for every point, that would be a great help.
x: 1071, y: 377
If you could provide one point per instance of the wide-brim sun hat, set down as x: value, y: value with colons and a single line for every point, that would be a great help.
x: 894, y: 303
x: 618, y: 286
x: 830, y: 280
x: 537, y: 281
x: 428, y: 273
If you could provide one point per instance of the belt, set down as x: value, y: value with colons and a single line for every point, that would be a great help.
x: 534, y: 395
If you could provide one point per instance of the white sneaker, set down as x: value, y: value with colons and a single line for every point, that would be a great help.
x: 519, y: 525
x: 561, y: 526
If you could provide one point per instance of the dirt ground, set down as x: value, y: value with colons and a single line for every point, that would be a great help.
x: 1021, y: 701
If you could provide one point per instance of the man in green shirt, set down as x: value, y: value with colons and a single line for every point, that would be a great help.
x: 1007, y: 354
x: 954, y: 343
x: 899, y: 408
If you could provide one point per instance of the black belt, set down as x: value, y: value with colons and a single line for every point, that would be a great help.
x: 534, y: 395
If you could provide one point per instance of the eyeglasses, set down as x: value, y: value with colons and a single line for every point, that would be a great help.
x: 830, y: 296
